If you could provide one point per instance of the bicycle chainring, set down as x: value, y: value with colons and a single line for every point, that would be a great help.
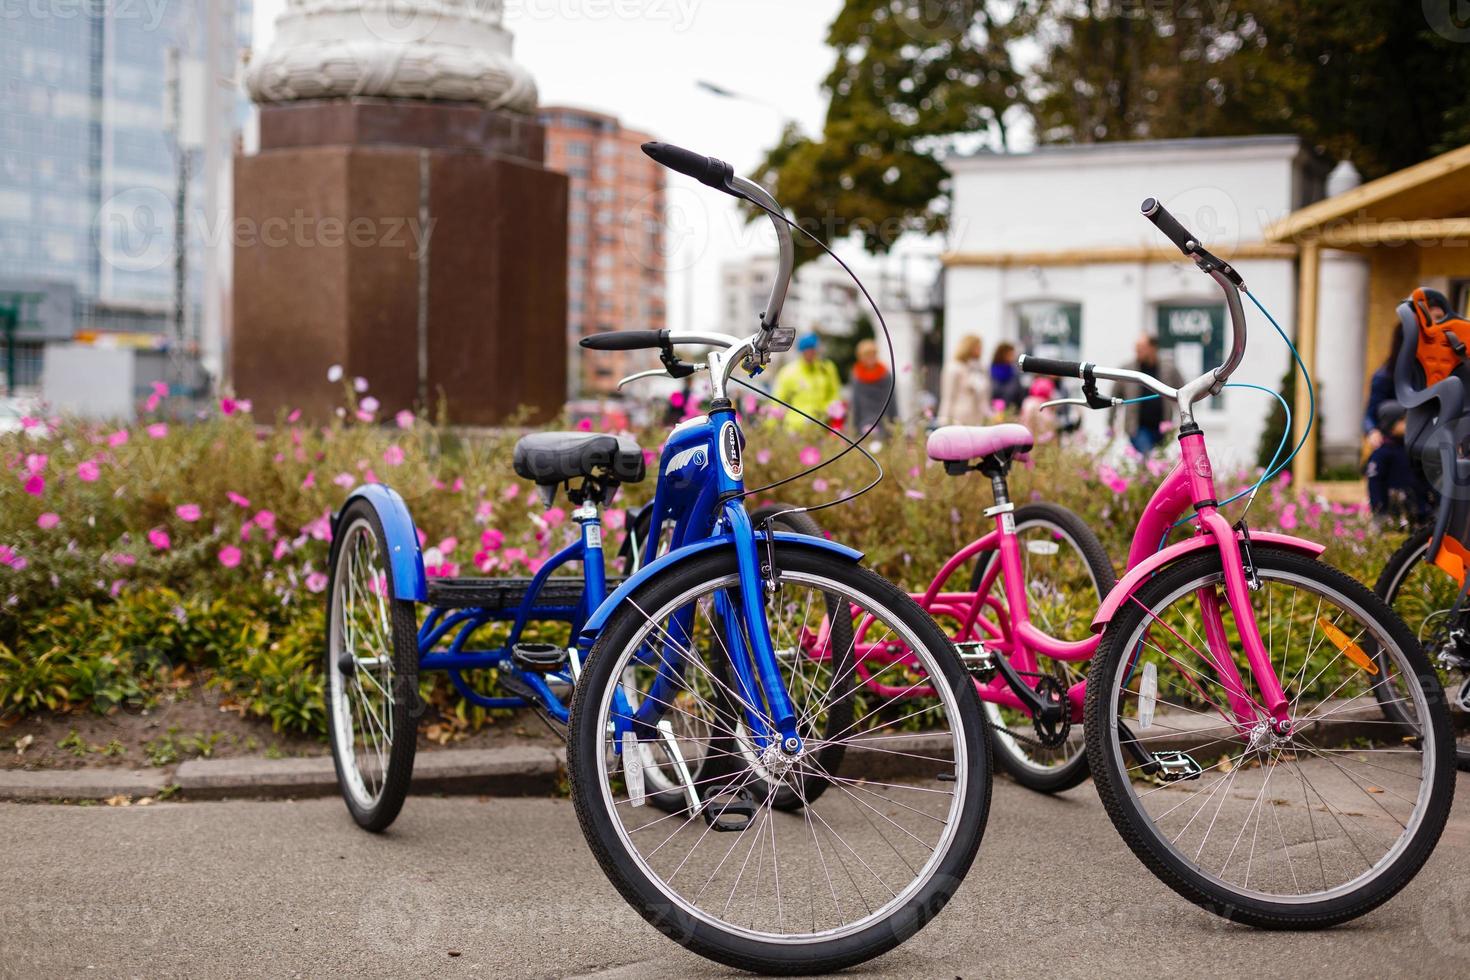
x: 1053, y: 732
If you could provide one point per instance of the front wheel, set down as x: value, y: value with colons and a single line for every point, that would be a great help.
x: 1425, y: 597
x: 851, y: 873
x: 1299, y: 830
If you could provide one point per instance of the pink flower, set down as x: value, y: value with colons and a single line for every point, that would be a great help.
x: 359, y: 385
x: 369, y: 476
x: 229, y: 556
x: 492, y: 538
x: 88, y: 471
x: 369, y: 405
x: 188, y: 513
x: 316, y: 582
x: 511, y: 492
x: 393, y: 455
x: 9, y: 558
x: 228, y: 406
x: 266, y: 520
x: 914, y: 494
x: 763, y: 456
x: 35, y: 484
x: 584, y: 425
x: 124, y: 559
x: 1111, y: 479
x: 310, y: 480
x: 282, y: 547
x: 158, y: 430
x: 404, y: 419
x: 457, y: 486
x: 36, y: 462
x: 28, y: 423
x: 483, y: 511
x: 344, y: 480
x: 159, y: 538
x: 810, y: 456
x: 47, y: 521
x: 237, y: 499
x: 118, y: 438
x: 555, y: 517
x: 819, y: 485
x: 1288, y: 517
x: 294, y: 417
x: 160, y: 388
x: 448, y: 545
x: 334, y: 373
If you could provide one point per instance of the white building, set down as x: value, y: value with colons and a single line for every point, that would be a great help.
x: 1049, y: 251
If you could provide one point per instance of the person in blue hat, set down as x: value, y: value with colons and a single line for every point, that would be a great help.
x: 809, y: 383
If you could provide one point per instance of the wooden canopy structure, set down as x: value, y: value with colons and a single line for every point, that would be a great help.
x: 1414, y: 228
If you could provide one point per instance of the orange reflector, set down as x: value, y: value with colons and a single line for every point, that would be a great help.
x: 1352, y: 650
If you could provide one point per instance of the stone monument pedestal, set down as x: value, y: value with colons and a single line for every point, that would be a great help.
x: 421, y: 245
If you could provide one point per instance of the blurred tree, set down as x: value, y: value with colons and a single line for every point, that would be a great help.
x: 1366, y: 80
x: 911, y: 77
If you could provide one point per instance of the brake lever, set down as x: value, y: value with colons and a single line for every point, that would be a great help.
x: 641, y: 375
x: 1083, y: 402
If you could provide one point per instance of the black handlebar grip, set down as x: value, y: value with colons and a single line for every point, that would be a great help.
x: 627, y: 340
x: 1049, y: 365
x: 1155, y: 211
x: 706, y: 170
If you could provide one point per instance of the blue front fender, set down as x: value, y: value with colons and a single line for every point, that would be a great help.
x: 404, y: 556
x: 599, y: 618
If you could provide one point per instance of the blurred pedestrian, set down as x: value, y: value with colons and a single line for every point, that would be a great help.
x: 809, y: 383
x: 1381, y: 389
x: 872, y: 385
x: 1143, y: 420
x: 964, y: 386
x: 1005, y: 380
x: 1396, y: 487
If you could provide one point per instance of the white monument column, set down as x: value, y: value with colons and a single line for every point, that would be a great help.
x: 441, y: 50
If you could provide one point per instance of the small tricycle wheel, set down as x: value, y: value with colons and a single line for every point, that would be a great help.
x: 371, y: 672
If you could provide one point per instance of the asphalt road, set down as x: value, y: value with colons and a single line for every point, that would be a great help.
x: 294, y: 889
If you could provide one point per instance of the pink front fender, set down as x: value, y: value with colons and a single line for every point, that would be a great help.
x: 1139, y: 573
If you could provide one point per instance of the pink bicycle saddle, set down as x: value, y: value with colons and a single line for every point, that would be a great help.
x: 960, y: 443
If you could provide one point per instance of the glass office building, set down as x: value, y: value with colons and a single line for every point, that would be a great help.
x: 87, y: 156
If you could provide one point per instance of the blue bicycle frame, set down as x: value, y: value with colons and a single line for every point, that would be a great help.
x: 699, y: 493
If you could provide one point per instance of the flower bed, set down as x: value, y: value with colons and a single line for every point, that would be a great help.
x: 130, y: 556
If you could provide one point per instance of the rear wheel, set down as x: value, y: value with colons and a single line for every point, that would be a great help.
x: 848, y: 875
x: 1067, y: 575
x: 1424, y: 596
x: 371, y: 672
x: 1302, y: 830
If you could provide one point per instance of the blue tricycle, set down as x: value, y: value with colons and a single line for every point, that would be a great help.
x: 737, y: 787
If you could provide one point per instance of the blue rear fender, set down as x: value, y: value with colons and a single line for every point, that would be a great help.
x: 404, y: 555
x: 693, y: 550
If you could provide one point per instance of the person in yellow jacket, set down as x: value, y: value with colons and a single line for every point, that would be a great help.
x: 810, y: 383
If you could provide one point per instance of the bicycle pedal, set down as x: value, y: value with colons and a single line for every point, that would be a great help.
x: 727, y: 812
x: 539, y: 658
x: 1177, y: 766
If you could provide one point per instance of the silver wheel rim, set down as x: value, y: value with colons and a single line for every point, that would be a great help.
x: 841, y: 787
x: 1323, y: 813
x: 361, y: 699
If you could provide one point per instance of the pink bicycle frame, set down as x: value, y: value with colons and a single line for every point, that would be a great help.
x: 1009, y: 632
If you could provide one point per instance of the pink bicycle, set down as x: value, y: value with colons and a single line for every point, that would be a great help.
x: 1232, y: 715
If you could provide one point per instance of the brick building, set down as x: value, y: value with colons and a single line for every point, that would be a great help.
x: 615, y: 247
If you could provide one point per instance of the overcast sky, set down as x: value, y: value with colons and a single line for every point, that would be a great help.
x: 643, y: 69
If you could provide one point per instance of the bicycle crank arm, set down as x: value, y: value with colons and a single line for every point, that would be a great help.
x: 1044, y: 708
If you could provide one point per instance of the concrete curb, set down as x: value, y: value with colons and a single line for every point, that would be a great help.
x: 80, y: 784
x: 512, y: 771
